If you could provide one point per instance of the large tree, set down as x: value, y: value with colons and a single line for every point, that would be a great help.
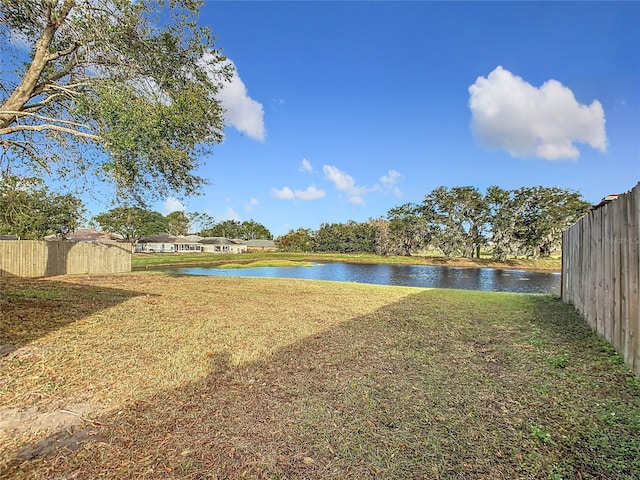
x: 178, y: 223
x: 408, y: 230
x: 544, y: 213
x: 247, y: 230
x: 458, y: 215
x: 134, y: 79
x: 30, y: 211
x: 131, y: 223
x: 299, y: 240
x: 505, y: 216
x: 347, y: 237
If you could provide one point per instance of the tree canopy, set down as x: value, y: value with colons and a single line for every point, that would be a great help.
x: 247, y: 230
x: 131, y: 223
x: 136, y: 80
x: 31, y: 212
x: 457, y: 221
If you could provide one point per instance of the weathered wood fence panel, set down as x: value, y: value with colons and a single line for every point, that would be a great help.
x: 601, y: 272
x: 32, y: 258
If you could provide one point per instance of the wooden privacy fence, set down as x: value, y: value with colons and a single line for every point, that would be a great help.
x: 600, y: 272
x: 33, y: 258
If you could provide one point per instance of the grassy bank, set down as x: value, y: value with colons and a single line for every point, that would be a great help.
x: 143, y: 261
x: 145, y: 375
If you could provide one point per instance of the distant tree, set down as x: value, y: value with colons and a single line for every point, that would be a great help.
x: 31, y: 212
x: 178, y: 223
x: 199, y: 222
x: 544, y: 213
x: 505, y: 214
x: 247, y: 230
x: 299, y: 240
x: 459, y: 215
x: 131, y: 223
x: 382, y: 233
x: 347, y: 237
x: 252, y: 230
x: 408, y: 230
x: 227, y: 228
x: 328, y: 238
x: 109, y: 74
x: 363, y: 236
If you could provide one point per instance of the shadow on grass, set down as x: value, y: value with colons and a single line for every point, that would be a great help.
x: 32, y: 308
x: 443, y: 384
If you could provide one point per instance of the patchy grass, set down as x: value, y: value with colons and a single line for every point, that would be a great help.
x: 211, y: 377
x: 148, y: 260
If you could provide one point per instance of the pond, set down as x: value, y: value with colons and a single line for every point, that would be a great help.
x: 488, y: 279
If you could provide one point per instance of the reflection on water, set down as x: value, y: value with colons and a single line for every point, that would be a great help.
x: 489, y: 279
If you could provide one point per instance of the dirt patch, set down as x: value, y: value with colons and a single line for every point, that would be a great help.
x: 19, y: 421
x: 47, y: 433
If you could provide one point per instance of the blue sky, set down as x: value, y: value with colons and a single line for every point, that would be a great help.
x: 343, y: 110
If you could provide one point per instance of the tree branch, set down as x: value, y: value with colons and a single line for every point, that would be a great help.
x: 27, y: 149
x: 57, y: 128
x: 48, y: 119
x: 24, y: 91
x: 61, y: 53
x: 37, y: 106
x: 68, y: 68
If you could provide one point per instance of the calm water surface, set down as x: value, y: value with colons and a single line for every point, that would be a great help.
x: 489, y: 279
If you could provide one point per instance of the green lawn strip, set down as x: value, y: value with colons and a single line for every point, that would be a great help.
x: 305, y: 380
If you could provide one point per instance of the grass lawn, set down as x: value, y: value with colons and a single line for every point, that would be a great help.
x: 149, y: 376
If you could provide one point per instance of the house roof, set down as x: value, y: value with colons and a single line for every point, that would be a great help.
x: 163, y: 238
x: 88, y: 235
x: 260, y: 243
x: 219, y: 241
x: 609, y: 198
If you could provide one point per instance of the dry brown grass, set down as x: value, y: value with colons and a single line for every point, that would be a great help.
x: 152, y: 376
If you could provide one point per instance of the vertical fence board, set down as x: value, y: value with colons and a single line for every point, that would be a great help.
x: 601, y: 272
x: 31, y: 258
x: 633, y: 245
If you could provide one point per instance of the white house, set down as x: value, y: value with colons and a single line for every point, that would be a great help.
x: 165, y: 243
x: 222, y: 245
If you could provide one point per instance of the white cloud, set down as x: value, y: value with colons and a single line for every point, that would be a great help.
x: 511, y: 114
x: 285, y: 193
x: 172, y: 205
x: 345, y: 183
x: 249, y: 206
x: 230, y: 214
x: 311, y: 193
x: 242, y: 112
x: 305, y: 166
x: 390, y: 182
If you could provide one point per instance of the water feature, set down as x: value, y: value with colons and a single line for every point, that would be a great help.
x: 488, y: 279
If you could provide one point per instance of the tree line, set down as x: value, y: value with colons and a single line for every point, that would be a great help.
x: 132, y: 223
x: 456, y: 221
x: 30, y: 211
